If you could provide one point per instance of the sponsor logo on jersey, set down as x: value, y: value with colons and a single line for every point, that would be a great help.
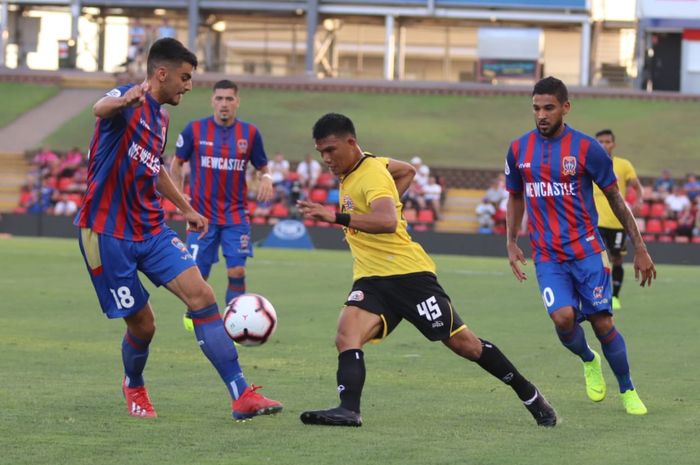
x: 598, y: 292
x: 219, y: 163
x: 206, y: 143
x: 143, y: 123
x: 145, y: 157
x: 550, y: 189
x: 179, y: 245
x: 568, y: 165
x: 244, y: 243
x: 507, y: 170
x: 114, y: 93
x: 356, y: 296
x: 242, y: 145
x: 527, y: 165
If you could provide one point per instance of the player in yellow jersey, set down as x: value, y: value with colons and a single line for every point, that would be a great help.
x: 394, y: 279
x: 610, y: 228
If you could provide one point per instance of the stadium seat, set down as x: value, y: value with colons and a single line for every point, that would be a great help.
x: 325, y: 179
x: 670, y: 226
x: 644, y: 210
x: 682, y: 239
x: 654, y: 226
x: 648, y: 237
x: 665, y: 238
x: 426, y: 215
x: 410, y: 215
x: 333, y: 196
x: 318, y: 195
x: 696, y: 240
x: 279, y: 210
x: 258, y: 220
x: 420, y: 227
x: 252, y: 205
x: 308, y: 222
x: 658, y: 210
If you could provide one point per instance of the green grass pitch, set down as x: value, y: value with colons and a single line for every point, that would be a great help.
x: 61, y: 369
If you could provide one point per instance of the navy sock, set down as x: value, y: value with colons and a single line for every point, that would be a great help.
x: 218, y: 348
x: 617, y: 274
x: 236, y: 287
x: 493, y: 361
x: 351, y: 378
x: 134, y: 356
x: 575, y: 341
x: 615, y: 351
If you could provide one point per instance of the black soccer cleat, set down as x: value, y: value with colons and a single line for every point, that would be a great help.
x: 338, y: 416
x: 543, y: 412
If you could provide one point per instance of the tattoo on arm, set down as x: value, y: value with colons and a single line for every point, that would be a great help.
x: 623, y: 213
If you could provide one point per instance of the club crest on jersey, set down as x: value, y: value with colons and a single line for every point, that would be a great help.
x: 356, y: 296
x: 568, y: 165
x: 347, y: 203
x: 244, y: 243
x: 598, y: 292
x: 242, y: 145
x: 179, y: 245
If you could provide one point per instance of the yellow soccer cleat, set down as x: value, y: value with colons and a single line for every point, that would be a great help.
x: 633, y: 404
x: 595, y: 383
x: 616, y: 305
x: 187, y: 323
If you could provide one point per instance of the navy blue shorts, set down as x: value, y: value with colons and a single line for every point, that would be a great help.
x: 114, y: 264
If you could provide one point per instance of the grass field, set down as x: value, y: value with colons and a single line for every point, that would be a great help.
x: 20, y: 98
x: 61, y: 371
x: 444, y: 130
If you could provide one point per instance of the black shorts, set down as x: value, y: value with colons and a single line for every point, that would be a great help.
x: 416, y: 297
x: 615, y: 240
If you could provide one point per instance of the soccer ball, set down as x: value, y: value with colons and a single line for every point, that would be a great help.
x: 250, y: 319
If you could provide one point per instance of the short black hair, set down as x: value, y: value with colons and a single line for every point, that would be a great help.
x: 552, y: 86
x: 605, y: 132
x: 333, y: 124
x: 225, y: 84
x: 168, y: 50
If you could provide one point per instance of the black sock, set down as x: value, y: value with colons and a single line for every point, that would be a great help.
x: 617, y: 274
x: 351, y: 378
x: 493, y: 361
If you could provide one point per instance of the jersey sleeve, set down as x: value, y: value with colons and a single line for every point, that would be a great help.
x: 600, y: 167
x: 378, y: 182
x: 514, y: 181
x: 257, y: 152
x: 185, y: 144
x: 118, y: 121
x: 630, y: 173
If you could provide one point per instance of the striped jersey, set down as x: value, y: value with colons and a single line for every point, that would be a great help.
x: 121, y: 199
x: 556, y: 176
x: 218, y: 157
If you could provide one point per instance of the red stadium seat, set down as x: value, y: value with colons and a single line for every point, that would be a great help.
x: 665, y: 238
x: 654, y: 226
x: 644, y: 210
x: 410, y: 215
x: 420, y: 227
x: 252, y: 205
x: 696, y: 240
x: 658, y: 210
x: 318, y: 195
x: 259, y: 220
x: 426, y: 215
x: 279, y: 210
x: 670, y: 226
x: 325, y: 179
x: 309, y: 223
x: 648, y: 237
x: 682, y: 239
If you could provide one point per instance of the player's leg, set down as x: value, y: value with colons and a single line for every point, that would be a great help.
x: 235, y: 241
x: 205, y: 252
x: 615, y: 240
x: 355, y: 327
x: 122, y: 295
x: 618, y: 274
x: 170, y: 264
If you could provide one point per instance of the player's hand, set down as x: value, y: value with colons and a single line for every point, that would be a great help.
x: 644, y: 266
x: 265, y: 189
x: 315, y: 211
x: 516, y: 257
x: 197, y: 223
x: 136, y: 96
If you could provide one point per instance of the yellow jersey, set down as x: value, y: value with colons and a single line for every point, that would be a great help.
x: 624, y: 172
x: 386, y: 254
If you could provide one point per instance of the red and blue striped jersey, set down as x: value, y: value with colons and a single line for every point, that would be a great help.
x: 218, y: 157
x: 556, y: 176
x: 124, y: 161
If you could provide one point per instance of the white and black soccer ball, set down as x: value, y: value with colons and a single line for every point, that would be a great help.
x: 250, y: 319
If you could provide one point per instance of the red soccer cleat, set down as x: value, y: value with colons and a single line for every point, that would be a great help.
x: 251, y: 404
x: 137, y: 401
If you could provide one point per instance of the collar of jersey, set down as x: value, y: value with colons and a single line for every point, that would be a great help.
x: 152, y: 100
x: 235, y: 122
x: 365, y: 156
x: 566, y: 130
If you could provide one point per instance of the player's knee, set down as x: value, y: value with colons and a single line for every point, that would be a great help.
x: 236, y: 272
x: 465, y: 344
x: 202, y: 296
x: 563, y: 318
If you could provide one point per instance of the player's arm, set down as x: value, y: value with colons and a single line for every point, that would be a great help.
x: 195, y: 221
x: 636, y: 184
x: 109, y: 106
x: 381, y: 219
x: 177, y: 173
x: 265, y: 189
x: 642, y: 261
x: 403, y: 173
x: 514, y: 216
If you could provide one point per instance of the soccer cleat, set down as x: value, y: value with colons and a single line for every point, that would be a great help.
x: 544, y: 414
x: 595, y: 383
x: 187, y: 322
x: 137, y: 401
x: 633, y: 404
x: 252, y: 404
x: 338, y: 416
x: 616, y: 305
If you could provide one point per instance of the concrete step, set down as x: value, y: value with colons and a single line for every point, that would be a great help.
x: 456, y: 226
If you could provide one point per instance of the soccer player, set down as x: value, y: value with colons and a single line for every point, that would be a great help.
x: 218, y: 149
x: 552, y: 169
x: 122, y: 230
x: 610, y: 228
x: 394, y: 279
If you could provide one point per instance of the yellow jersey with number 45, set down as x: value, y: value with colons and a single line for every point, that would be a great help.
x: 386, y: 254
x: 624, y: 172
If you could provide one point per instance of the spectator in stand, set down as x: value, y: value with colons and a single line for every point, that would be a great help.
x: 413, y: 198
x: 46, y: 159
x: 43, y: 195
x: 166, y: 30
x: 485, y: 212
x: 664, y: 183
x: 692, y: 187
x: 497, y: 190
x: 687, y: 221
x: 432, y: 193
x: 26, y: 199
x: 309, y: 169
x: 70, y: 163
x: 675, y: 202
x: 64, y: 205
x: 422, y: 171
x: 279, y: 170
